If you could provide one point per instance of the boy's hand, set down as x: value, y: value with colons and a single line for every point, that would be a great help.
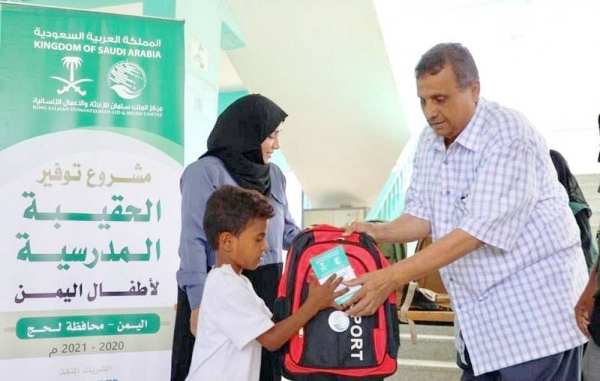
x: 323, y: 296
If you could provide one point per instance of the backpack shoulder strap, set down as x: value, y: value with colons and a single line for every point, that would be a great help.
x: 409, y: 294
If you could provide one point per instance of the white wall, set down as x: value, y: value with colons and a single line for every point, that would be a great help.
x: 294, y: 196
x: 537, y: 56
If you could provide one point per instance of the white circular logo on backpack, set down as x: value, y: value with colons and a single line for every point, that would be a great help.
x: 339, y: 321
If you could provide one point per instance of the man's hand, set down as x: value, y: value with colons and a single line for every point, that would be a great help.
x: 358, y: 227
x: 194, y: 321
x: 376, y: 287
x: 583, y: 309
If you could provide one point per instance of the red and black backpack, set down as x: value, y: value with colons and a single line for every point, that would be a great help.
x: 368, y: 346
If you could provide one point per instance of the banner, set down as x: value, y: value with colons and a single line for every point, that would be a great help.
x: 91, y: 146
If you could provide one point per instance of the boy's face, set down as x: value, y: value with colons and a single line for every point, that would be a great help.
x: 249, y: 246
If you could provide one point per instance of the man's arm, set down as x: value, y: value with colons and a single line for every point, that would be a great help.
x: 405, y: 228
x: 378, y: 285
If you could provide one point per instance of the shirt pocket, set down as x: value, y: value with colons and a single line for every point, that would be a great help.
x: 461, y: 207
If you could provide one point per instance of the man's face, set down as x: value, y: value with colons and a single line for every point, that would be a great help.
x: 448, y: 108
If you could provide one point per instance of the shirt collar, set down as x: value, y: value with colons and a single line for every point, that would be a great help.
x: 470, y: 137
x: 227, y: 269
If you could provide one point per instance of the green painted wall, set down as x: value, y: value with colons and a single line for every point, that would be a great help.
x: 209, y: 27
x: 228, y: 97
x: 202, y: 47
x: 159, y: 8
x: 231, y: 34
x: 80, y: 4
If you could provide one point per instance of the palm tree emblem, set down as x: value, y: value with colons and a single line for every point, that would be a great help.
x: 71, y: 63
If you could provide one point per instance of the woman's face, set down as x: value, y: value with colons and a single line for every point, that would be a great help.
x: 270, y: 144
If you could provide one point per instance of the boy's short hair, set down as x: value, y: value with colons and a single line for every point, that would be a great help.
x: 230, y: 209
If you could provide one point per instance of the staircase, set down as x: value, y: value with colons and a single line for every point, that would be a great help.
x: 432, y: 358
x: 390, y: 202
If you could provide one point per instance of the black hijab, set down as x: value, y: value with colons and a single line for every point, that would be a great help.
x: 237, y: 136
x: 567, y: 179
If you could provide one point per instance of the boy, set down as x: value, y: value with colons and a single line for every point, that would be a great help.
x: 234, y: 321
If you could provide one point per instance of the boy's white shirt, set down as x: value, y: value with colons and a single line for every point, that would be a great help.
x: 231, y: 317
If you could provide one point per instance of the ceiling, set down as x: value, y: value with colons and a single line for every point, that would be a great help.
x: 325, y: 63
x: 229, y: 80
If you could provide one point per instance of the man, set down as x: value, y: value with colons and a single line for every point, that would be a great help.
x: 505, y: 240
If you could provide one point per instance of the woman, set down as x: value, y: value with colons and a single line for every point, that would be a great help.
x: 579, y: 206
x: 587, y: 310
x: 240, y: 147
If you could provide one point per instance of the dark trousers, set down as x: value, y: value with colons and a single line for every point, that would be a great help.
x: 334, y: 378
x: 265, y: 280
x: 565, y: 366
x: 183, y: 340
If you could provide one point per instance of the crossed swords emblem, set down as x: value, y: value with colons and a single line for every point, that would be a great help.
x: 71, y: 63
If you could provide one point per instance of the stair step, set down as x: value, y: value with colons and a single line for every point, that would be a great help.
x: 428, y: 347
x: 427, y: 329
x: 431, y: 316
x: 429, y: 370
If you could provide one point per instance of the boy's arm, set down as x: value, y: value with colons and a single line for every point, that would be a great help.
x: 281, y: 332
x: 319, y: 298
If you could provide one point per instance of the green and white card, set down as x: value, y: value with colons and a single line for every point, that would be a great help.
x: 334, y: 261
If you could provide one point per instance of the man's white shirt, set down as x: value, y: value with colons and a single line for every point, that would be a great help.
x: 514, y: 296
